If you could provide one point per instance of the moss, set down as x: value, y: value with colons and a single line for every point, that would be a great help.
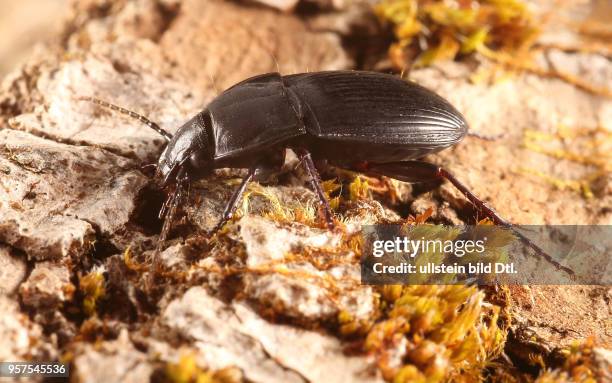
x: 578, y: 366
x: 186, y: 370
x: 416, y: 333
x: 588, y: 147
x: 438, y: 332
x: 330, y: 187
x: 131, y: 264
x: 428, y: 31
x: 359, y: 189
x: 279, y: 211
x: 92, y: 286
x: 504, y: 31
x: 449, y: 332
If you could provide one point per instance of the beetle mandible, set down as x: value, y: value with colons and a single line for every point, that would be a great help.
x: 369, y: 122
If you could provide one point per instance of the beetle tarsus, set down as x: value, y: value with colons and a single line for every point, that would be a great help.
x: 315, y: 180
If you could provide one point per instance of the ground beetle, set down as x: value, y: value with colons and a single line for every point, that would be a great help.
x: 369, y: 122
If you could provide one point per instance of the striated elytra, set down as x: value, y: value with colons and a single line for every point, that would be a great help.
x: 370, y: 122
x: 343, y: 117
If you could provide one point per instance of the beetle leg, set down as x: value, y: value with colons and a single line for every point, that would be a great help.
x: 417, y: 171
x: 315, y: 181
x: 169, y: 208
x: 232, y: 205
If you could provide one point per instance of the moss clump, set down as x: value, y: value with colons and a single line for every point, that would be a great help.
x: 359, y: 189
x: 186, y: 370
x: 578, y: 366
x: 92, y: 286
x: 278, y: 210
x: 504, y: 31
x: 428, y: 31
x: 434, y: 333
x: 330, y: 187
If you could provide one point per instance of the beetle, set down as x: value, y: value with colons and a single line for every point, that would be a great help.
x: 370, y: 122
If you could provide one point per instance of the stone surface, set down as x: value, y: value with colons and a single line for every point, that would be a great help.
x: 296, y: 288
x: 47, y: 287
x: 18, y: 336
x: 222, y: 43
x: 12, y: 270
x: 111, y: 361
x: 234, y: 335
x: 492, y: 169
x: 283, y: 5
x: 559, y: 315
x: 61, y: 116
x: 55, y: 197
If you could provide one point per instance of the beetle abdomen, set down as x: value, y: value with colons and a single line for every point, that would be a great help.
x: 375, y: 108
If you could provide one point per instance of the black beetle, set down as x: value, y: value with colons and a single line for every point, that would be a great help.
x: 369, y: 122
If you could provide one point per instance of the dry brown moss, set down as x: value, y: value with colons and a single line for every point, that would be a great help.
x: 578, y: 366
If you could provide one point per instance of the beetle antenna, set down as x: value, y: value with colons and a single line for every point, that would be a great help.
x: 126, y: 112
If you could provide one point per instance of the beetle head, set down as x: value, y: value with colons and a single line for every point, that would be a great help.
x: 188, y: 152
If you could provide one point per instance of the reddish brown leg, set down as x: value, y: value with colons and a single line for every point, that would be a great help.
x: 315, y: 181
x: 417, y: 171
